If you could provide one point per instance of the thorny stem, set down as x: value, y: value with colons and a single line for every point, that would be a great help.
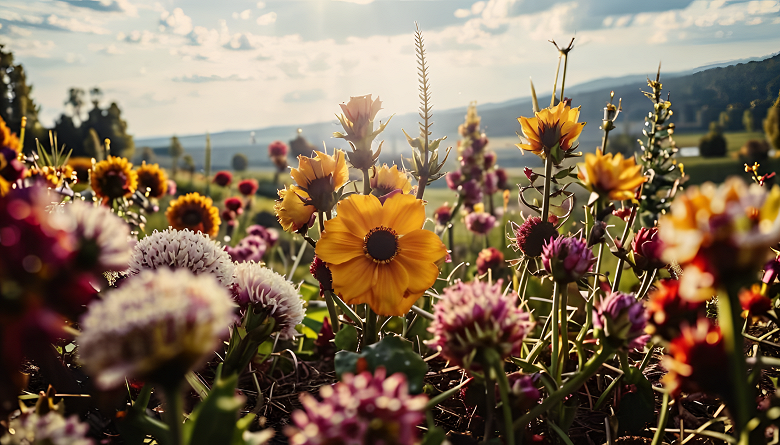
x: 425, y: 112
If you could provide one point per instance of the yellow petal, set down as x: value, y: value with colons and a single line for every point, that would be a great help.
x: 422, y: 245
x: 388, y: 293
x: 339, y: 247
x: 403, y: 213
x: 360, y: 213
x: 422, y: 275
x: 350, y: 279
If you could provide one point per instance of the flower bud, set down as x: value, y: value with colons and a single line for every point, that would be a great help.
x: 532, y: 234
x: 647, y: 248
x: 622, y: 320
x: 567, y: 259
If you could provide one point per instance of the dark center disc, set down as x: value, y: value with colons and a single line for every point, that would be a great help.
x: 382, y: 245
x: 191, y: 218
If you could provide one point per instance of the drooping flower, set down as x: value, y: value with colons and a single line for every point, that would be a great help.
x: 359, y: 410
x: 292, y: 211
x: 694, y: 360
x: 261, y: 289
x: 550, y: 127
x: 113, y: 178
x: 223, y: 178
x: 567, y: 259
x: 667, y: 311
x: 622, y: 320
x: 612, y: 177
x: 156, y: 327
x: 248, y: 187
x: 152, y: 180
x: 647, y: 249
x: 489, y: 259
x: 715, y: 231
x: 388, y: 179
x: 183, y: 249
x: 320, y: 177
x: 479, y: 221
x: 379, y: 254
x: 531, y: 236
x: 195, y: 212
x: 473, y: 317
x: 51, y: 428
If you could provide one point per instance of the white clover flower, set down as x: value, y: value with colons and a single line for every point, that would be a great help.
x: 49, y: 429
x: 156, y: 327
x: 262, y: 288
x: 103, y: 238
x: 183, y: 249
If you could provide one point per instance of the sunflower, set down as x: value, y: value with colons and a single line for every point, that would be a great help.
x: 82, y: 166
x: 195, y: 212
x: 387, y: 179
x: 321, y: 176
x: 113, y: 178
x: 550, y: 127
x: 379, y: 254
x: 611, y: 177
x: 152, y: 177
x: 291, y: 210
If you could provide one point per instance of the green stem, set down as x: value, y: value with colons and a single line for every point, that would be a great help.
x: 297, y: 261
x: 647, y: 281
x: 556, y: 336
x: 445, y: 395
x: 503, y: 387
x: 730, y: 322
x: 621, y: 260
x: 174, y: 413
x: 662, y: 418
x: 366, y: 183
x: 563, y: 80
x: 334, y: 317
x: 555, y: 83
x: 548, y: 164
x: 321, y: 219
x: 370, y: 332
x: 571, y: 385
x: 564, y: 318
x: 490, y: 402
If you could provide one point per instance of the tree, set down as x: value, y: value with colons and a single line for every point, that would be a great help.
x: 240, y: 162
x: 772, y: 124
x: 189, y: 166
x: 175, y: 150
x: 747, y: 120
x: 147, y: 155
x: 75, y: 101
x: 713, y: 144
x: 16, y: 101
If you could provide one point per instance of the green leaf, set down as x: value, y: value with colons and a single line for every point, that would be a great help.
x: 309, y: 291
x: 345, y: 361
x: 435, y: 436
x: 394, y: 354
x: 214, y: 419
x: 637, y: 407
x: 557, y: 154
x: 346, y: 338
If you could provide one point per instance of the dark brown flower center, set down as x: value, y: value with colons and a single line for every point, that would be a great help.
x: 550, y: 136
x: 381, y: 244
x: 192, y: 217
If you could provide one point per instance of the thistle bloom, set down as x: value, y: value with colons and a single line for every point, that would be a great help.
x: 320, y: 177
x: 113, y: 178
x: 379, y: 254
x: 223, y: 178
x: 693, y: 360
x: 156, y: 327
x: 715, y: 231
x: 262, y: 289
x: 152, y: 180
x: 320, y: 271
x: 667, y: 312
x: 622, y: 319
x: 250, y: 248
x: 489, y: 259
x: 292, y: 209
x: 183, y: 249
x: 359, y: 410
x: 550, y: 127
x: 248, y: 187
x: 50, y: 428
x: 531, y: 236
x: 472, y: 317
x: 567, y: 259
x: 647, y: 249
x: 388, y: 179
x: 443, y: 214
x: 612, y: 177
x: 195, y: 212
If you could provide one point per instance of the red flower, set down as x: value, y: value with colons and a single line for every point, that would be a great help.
x: 667, y: 311
x: 248, y: 187
x: 277, y: 148
x: 223, y: 178
x: 234, y: 204
x: 754, y: 302
x: 695, y: 360
x: 490, y: 258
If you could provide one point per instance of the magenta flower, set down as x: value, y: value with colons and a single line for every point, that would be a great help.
x: 270, y: 236
x: 223, y: 178
x: 489, y: 160
x: 647, y: 248
x: 454, y: 179
x: 250, y: 248
x: 490, y: 258
x: 277, y: 148
x: 472, y: 193
x: 503, y: 179
x: 443, y: 214
x: 235, y: 205
x: 567, y: 259
x: 622, y: 320
x: 480, y: 222
x: 531, y: 236
x: 771, y: 271
x: 248, y: 187
x: 473, y: 317
x: 523, y: 389
x: 491, y: 182
x: 359, y: 410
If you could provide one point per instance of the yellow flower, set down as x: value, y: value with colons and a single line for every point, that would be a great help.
x: 82, y: 166
x: 611, y: 177
x: 550, y: 127
x: 152, y: 177
x: 718, y: 231
x: 321, y: 176
x: 387, y: 179
x: 113, y: 178
x: 195, y: 212
x: 379, y: 254
x: 11, y: 169
x: 51, y: 176
x: 291, y: 209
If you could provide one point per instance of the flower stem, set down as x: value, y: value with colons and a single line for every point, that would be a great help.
x: 321, y: 219
x: 556, y: 335
x: 503, y: 388
x: 571, y: 385
x: 548, y: 164
x: 366, y: 183
x: 565, y: 64
x: 174, y: 412
x: 662, y: 418
x: 564, y: 318
x: 370, y: 332
x: 647, y: 281
x: 334, y: 317
x: 297, y: 261
x: 490, y: 404
x: 555, y: 83
x: 621, y: 260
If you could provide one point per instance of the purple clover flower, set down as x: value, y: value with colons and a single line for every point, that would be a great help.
x: 622, y: 319
x: 567, y: 259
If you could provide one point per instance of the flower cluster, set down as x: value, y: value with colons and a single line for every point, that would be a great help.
x: 50, y: 429
x: 667, y: 312
x: 11, y: 167
x: 254, y: 245
x: 567, y: 259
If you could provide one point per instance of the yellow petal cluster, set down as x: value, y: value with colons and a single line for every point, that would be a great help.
x: 550, y: 127
x: 195, y: 212
x: 113, y: 178
x: 386, y: 179
x: 153, y: 178
x: 322, y: 166
x: 291, y: 210
x: 612, y: 177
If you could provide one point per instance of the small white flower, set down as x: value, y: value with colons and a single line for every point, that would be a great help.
x: 183, y: 249
x: 51, y: 429
x: 262, y: 288
x: 156, y: 327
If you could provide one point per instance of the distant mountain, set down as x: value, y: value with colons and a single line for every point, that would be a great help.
x: 698, y: 97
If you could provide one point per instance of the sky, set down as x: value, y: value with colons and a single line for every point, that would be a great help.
x: 190, y: 66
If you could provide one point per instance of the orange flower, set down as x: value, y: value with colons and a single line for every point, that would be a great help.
x: 611, y: 177
x: 113, y: 178
x: 195, y: 212
x: 550, y: 127
x: 291, y: 209
x: 320, y: 177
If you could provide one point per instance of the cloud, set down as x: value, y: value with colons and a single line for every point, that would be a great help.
x: 291, y: 68
x: 243, y: 15
x: 197, y: 78
x: 260, y: 5
x: 267, y: 19
x: 144, y: 37
x: 359, y: 2
x: 176, y: 22
x: 462, y: 13
x: 75, y: 25
x: 110, y: 50
x: 303, y: 96
x: 239, y: 42
x: 105, y: 5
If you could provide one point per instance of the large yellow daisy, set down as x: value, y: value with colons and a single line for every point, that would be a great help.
x: 195, y: 212
x: 321, y: 176
x: 291, y: 210
x: 550, y: 127
x: 379, y: 254
x: 611, y: 177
